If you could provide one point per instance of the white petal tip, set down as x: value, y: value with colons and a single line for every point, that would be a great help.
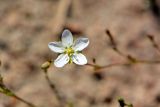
x: 67, y: 38
x: 61, y: 60
x: 56, y: 47
x: 79, y: 59
x: 80, y: 44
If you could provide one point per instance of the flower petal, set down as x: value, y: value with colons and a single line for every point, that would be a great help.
x: 80, y: 44
x: 61, y: 60
x: 79, y: 59
x: 67, y: 38
x: 56, y: 47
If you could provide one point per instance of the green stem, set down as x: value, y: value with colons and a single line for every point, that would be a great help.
x: 4, y: 90
x: 8, y: 92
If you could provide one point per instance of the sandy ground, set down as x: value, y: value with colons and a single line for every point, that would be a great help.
x: 27, y: 26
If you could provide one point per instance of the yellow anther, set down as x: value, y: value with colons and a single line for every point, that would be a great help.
x: 69, y: 51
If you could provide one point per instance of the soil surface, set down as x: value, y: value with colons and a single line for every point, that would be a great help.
x: 27, y: 26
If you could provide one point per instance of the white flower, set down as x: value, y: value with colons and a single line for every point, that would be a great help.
x: 70, y: 50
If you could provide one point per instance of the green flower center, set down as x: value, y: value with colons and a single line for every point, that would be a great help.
x: 70, y: 52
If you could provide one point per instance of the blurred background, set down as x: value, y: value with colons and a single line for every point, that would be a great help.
x: 27, y: 26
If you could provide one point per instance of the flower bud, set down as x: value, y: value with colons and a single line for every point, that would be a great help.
x: 46, y: 65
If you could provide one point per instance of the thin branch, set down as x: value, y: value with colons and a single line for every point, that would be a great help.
x: 60, y: 98
x: 98, y: 67
x: 114, y: 46
x: 130, y: 58
x: 148, y: 61
x: 4, y: 90
x: 154, y: 44
x: 24, y: 101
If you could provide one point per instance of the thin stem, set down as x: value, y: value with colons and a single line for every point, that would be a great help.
x: 114, y: 64
x: 4, y: 90
x: 114, y: 44
x: 24, y: 101
x: 148, y: 62
x: 54, y: 89
x: 89, y: 64
x: 97, y: 67
x: 154, y: 44
x: 123, y: 64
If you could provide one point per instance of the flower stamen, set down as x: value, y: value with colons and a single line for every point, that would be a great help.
x: 69, y: 51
